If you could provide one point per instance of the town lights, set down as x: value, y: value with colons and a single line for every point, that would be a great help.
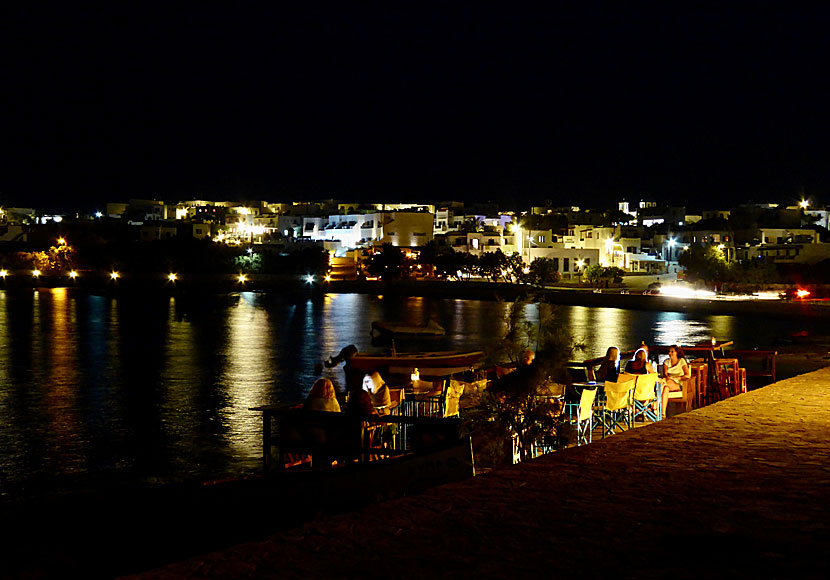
x: 98, y: 214
x: 804, y: 204
x: 61, y: 241
x: 579, y: 264
x: 73, y: 274
x: 172, y: 277
x: 114, y: 275
x: 309, y: 279
x: 327, y: 278
x: 672, y: 243
x: 242, y: 278
x: 802, y: 293
x: 36, y: 273
x: 3, y: 273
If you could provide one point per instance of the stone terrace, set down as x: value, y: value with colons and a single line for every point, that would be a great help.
x: 737, y: 489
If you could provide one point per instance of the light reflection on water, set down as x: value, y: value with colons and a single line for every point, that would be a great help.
x: 157, y: 387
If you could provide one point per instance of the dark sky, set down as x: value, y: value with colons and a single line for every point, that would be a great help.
x: 577, y: 103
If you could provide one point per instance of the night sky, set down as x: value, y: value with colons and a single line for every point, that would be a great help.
x: 577, y: 103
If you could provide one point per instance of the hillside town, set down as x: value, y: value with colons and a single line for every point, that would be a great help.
x: 640, y: 236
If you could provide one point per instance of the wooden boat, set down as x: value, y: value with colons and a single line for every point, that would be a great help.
x: 432, y: 328
x: 430, y: 363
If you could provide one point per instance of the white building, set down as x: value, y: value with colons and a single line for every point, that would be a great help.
x: 349, y: 231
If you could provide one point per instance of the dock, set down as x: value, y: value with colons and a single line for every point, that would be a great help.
x: 736, y: 489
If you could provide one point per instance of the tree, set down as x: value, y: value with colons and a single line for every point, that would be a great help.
x: 543, y: 272
x: 521, y: 404
x: 706, y: 263
x: 593, y: 274
x: 389, y: 263
x: 492, y: 265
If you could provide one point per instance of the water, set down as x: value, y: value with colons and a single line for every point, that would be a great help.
x: 95, y: 389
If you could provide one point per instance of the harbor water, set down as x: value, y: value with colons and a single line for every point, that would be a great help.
x: 99, y: 390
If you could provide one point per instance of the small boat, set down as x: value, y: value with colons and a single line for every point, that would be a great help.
x: 430, y: 363
x: 432, y: 328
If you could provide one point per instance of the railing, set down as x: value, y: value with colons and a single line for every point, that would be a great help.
x: 347, y: 437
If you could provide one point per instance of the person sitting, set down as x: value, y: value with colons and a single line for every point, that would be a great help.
x: 639, y: 365
x: 322, y: 397
x: 609, y: 370
x: 360, y: 402
x: 527, y: 357
x: 675, y: 369
x: 381, y: 398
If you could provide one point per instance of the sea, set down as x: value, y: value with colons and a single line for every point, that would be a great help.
x: 103, y: 390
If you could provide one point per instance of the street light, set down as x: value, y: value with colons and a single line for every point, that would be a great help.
x: 804, y: 204
x: 172, y: 277
x: 36, y: 273
x: 73, y: 274
x: 114, y: 275
x: 61, y: 241
x: 242, y: 278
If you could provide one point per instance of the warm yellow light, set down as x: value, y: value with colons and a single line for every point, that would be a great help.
x: 73, y: 274
x: 3, y: 273
x: 804, y: 204
x: 114, y: 275
x: 172, y: 277
x: 35, y: 273
x: 242, y: 278
x: 61, y: 242
x: 526, y: 270
x: 721, y: 247
x: 327, y: 278
x: 802, y: 293
x: 580, y: 263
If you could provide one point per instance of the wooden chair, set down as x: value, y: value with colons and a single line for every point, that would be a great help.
x: 687, y: 396
x: 700, y: 375
x: 728, y: 374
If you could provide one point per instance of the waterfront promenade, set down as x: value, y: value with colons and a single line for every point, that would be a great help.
x: 736, y: 489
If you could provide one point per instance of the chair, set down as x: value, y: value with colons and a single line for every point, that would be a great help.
x: 687, y: 396
x: 618, y: 411
x: 453, y: 395
x: 581, y: 415
x: 647, y: 401
x: 700, y: 374
x: 728, y: 374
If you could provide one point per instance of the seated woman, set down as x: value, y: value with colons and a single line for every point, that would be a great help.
x: 675, y: 369
x: 322, y: 397
x: 381, y: 398
x: 640, y: 364
x: 609, y: 370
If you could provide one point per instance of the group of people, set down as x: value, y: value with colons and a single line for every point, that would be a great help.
x: 675, y: 369
x: 371, y: 397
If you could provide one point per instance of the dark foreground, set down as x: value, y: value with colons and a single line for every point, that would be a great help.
x: 737, y: 489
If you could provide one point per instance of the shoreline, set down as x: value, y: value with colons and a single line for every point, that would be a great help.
x: 299, y: 289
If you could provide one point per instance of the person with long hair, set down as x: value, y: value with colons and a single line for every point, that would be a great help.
x: 322, y: 397
x: 675, y: 370
x: 609, y: 370
x: 639, y: 365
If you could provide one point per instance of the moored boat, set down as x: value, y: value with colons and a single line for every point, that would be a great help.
x: 430, y: 363
x: 432, y: 328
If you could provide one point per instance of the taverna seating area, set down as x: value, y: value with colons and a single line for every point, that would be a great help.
x: 602, y: 408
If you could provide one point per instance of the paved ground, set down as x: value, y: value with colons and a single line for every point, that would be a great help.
x: 738, y: 489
